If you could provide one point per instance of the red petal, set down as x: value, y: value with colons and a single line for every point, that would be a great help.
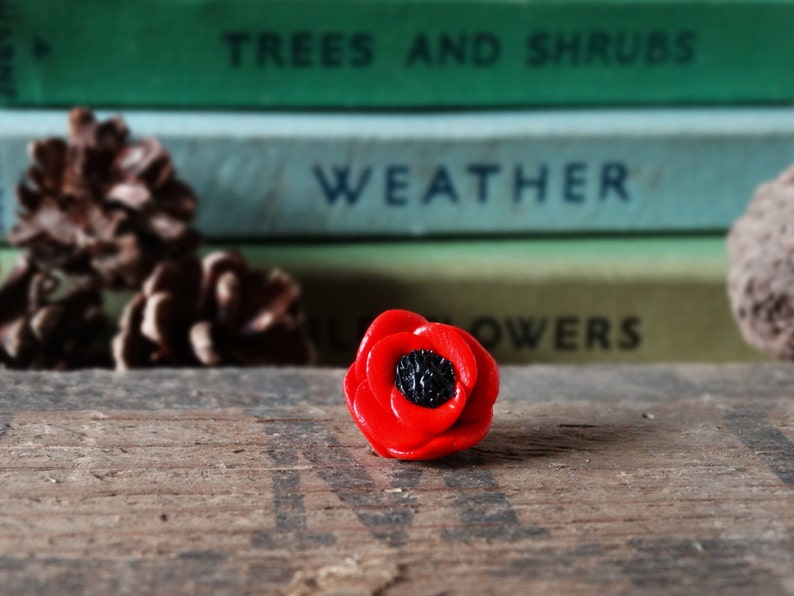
x: 448, y: 342
x: 387, y: 323
x: 482, y: 397
x: 428, y: 421
x: 458, y: 438
x: 382, y: 363
x: 349, y: 386
x: 380, y: 426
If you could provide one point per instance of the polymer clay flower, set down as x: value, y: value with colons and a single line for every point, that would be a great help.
x: 420, y: 390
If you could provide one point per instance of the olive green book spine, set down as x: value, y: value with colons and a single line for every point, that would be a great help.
x: 394, y: 53
x: 568, y: 301
x: 571, y: 301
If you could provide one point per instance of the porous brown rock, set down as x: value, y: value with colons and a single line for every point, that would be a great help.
x: 761, y: 274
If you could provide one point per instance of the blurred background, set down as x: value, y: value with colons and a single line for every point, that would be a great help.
x: 557, y: 177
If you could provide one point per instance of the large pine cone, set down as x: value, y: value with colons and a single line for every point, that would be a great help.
x: 101, y: 206
x: 40, y: 331
x: 218, y: 311
x: 761, y: 276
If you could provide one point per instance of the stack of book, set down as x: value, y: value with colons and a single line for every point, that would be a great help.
x: 555, y: 176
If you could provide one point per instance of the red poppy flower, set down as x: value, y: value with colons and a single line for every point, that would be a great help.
x: 420, y: 390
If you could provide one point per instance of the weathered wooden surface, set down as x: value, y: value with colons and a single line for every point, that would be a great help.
x: 647, y: 479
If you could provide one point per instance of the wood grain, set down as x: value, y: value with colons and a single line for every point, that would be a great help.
x: 653, y: 479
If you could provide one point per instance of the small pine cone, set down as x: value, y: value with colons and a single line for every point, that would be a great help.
x: 39, y: 331
x: 100, y: 206
x: 761, y: 275
x: 214, y: 312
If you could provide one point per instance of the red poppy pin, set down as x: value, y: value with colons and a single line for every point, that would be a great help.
x: 420, y: 390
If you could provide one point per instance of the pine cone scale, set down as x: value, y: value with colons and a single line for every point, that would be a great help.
x: 132, y: 195
x: 203, y: 344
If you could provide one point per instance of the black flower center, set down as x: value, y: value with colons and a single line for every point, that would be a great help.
x: 425, y: 378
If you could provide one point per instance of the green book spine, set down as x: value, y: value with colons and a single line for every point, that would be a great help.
x: 603, y: 300
x: 464, y: 173
x: 387, y: 53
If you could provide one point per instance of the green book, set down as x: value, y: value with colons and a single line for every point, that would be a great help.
x: 394, y: 53
x: 573, y: 301
x: 464, y: 173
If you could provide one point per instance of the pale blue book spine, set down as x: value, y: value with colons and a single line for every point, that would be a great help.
x: 291, y: 175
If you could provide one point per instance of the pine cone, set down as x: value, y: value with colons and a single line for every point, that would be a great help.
x: 218, y: 311
x: 761, y: 275
x: 101, y: 206
x: 41, y: 332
